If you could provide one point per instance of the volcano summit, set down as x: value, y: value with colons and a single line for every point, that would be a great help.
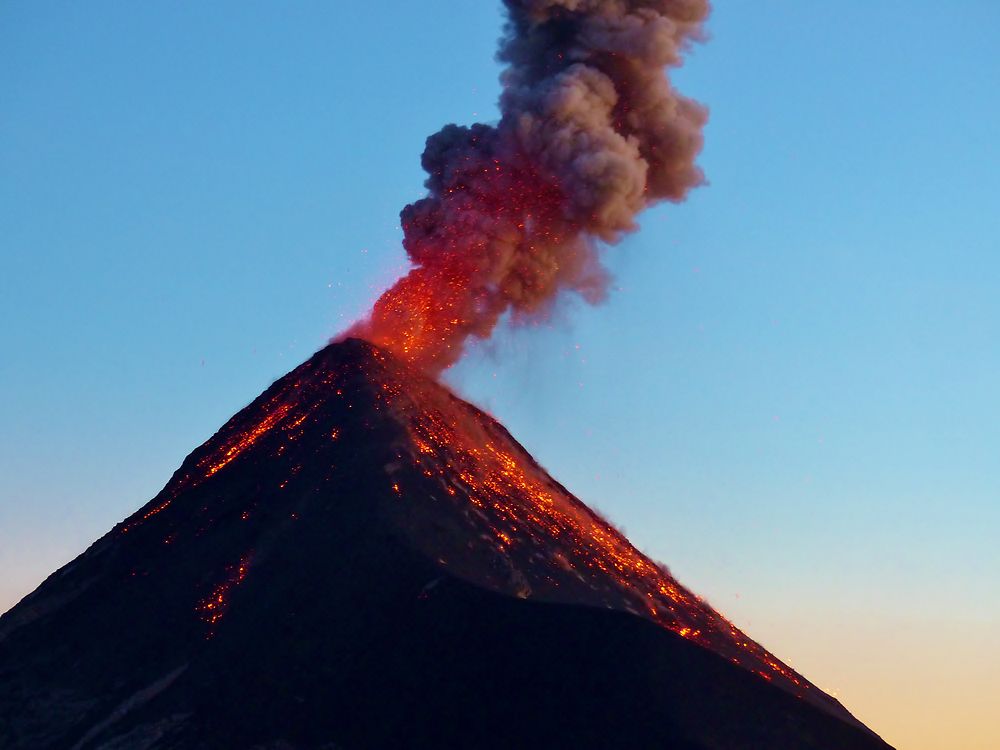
x: 359, y: 559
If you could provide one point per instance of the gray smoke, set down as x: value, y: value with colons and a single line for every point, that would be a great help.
x: 591, y: 133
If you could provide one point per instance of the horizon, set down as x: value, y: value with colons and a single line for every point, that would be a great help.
x: 789, y: 396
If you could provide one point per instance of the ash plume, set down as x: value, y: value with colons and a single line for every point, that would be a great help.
x: 591, y: 132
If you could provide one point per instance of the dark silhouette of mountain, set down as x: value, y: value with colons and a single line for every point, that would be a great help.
x: 359, y: 559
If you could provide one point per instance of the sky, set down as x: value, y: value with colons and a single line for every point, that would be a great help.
x: 790, y: 396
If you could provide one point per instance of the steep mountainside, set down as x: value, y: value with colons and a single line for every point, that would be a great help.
x: 361, y: 559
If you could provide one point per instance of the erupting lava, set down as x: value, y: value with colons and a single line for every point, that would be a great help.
x: 591, y: 133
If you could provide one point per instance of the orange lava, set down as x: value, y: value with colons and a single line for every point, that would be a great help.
x: 213, y: 607
x: 466, y: 277
x: 242, y: 441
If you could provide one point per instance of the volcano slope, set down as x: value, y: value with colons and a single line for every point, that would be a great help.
x: 360, y: 559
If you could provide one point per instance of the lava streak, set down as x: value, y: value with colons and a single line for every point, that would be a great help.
x: 530, y: 517
x: 243, y: 440
x: 591, y: 133
x: 213, y: 607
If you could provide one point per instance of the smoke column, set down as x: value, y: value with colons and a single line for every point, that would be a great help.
x: 591, y: 132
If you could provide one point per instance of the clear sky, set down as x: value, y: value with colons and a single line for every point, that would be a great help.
x: 790, y: 398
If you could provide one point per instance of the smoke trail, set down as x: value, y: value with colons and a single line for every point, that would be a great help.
x: 591, y: 132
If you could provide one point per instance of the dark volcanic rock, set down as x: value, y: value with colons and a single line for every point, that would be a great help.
x: 359, y: 559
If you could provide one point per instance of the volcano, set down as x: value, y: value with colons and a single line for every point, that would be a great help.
x: 360, y: 559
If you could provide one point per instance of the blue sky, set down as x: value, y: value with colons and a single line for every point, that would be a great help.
x: 790, y: 397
